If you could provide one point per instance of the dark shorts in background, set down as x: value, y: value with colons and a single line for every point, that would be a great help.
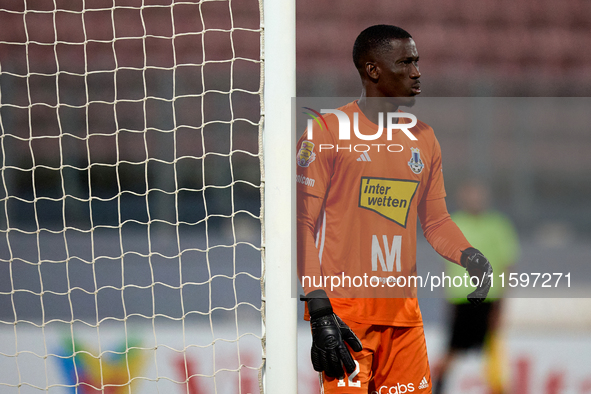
x: 470, y: 325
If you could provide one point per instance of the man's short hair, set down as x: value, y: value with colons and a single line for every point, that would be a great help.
x: 375, y: 40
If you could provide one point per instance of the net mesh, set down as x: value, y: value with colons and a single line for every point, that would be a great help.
x: 130, y: 204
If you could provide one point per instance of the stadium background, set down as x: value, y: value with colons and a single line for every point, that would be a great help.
x: 541, y: 177
x: 498, y: 50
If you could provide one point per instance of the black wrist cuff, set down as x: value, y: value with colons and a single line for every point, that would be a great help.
x: 318, y: 303
x: 465, y: 254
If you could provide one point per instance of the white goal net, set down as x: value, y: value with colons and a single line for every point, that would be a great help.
x: 130, y: 196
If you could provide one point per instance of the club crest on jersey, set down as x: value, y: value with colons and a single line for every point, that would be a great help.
x: 415, y: 163
x: 306, y: 154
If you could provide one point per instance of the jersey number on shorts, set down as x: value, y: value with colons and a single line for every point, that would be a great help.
x: 350, y: 381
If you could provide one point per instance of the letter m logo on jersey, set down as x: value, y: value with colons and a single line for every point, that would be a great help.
x: 390, y: 198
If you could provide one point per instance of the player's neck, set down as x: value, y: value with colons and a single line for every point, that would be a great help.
x: 373, y: 106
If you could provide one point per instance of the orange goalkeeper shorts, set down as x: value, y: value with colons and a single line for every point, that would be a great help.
x: 393, y: 361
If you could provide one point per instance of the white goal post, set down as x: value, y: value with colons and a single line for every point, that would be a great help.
x: 279, y: 142
x: 147, y: 219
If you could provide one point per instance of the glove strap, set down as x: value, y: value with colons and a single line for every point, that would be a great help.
x: 318, y: 303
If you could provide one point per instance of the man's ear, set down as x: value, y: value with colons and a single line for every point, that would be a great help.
x: 372, y: 70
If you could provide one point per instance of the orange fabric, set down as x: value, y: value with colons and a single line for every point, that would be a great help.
x: 392, y: 360
x: 442, y: 233
x: 357, y: 216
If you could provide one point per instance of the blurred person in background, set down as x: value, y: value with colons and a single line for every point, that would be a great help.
x: 477, y: 327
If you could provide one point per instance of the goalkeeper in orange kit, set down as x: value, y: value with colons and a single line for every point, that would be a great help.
x: 356, y: 217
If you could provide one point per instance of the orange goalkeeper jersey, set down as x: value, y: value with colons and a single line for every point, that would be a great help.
x: 358, y: 201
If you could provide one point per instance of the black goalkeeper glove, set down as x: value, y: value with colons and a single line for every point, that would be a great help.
x: 329, y: 334
x: 477, y: 266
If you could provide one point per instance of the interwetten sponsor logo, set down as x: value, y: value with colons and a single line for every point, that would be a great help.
x: 390, y: 198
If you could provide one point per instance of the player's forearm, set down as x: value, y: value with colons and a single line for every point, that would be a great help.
x: 440, y: 231
x: 308, y: 211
